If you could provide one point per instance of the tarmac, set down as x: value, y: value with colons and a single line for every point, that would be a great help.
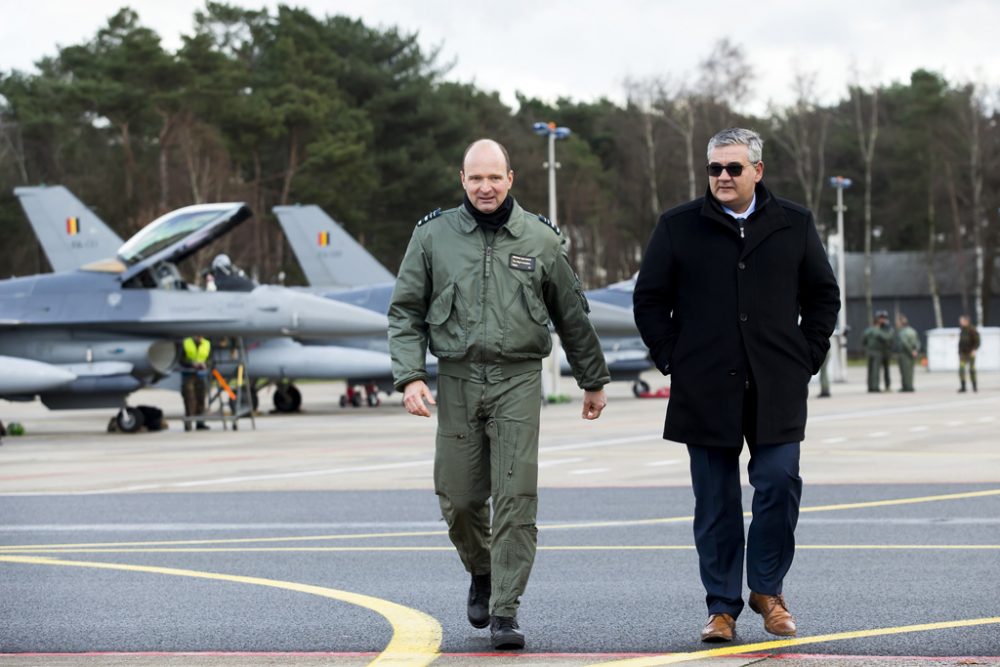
x: 315, y: 539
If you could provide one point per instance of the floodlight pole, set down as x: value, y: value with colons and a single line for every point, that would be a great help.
x: 839, y: 183
x: 552, y: 132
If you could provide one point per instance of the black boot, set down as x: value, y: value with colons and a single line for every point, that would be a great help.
x: 479, y: 600
x: 505, y: 634
x: 962, y: 390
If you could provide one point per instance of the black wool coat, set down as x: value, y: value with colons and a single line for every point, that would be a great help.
x: 733, y: 318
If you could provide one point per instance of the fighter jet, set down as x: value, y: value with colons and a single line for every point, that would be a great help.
x: 268, y: 361
x: 111, y: 324
x: 338, y: 267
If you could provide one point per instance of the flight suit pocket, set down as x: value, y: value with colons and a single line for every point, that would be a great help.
x: 526, y: 330
x: 517, y: 465
x: 446, y: 324
x: 454, y: 464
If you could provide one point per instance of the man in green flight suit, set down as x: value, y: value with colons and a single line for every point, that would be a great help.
x: 907, y: 350
x: 877, y: 342
x: 480, y: 284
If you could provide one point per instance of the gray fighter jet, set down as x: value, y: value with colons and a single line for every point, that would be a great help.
x: 111, y: 325
x: 269, y: 361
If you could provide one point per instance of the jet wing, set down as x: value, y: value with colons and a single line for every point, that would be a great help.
x: 178, y: 234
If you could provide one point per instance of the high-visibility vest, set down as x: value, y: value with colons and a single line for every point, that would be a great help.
x: 197, y: 353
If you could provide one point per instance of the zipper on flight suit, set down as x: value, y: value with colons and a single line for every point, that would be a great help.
x: 488, y: 240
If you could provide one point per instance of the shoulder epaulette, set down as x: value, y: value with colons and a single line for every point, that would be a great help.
x: 550, y: 224
x: 430, y: 216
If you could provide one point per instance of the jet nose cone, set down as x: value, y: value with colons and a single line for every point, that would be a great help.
x: 317, y: 317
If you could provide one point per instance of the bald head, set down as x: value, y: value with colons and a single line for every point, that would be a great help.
x: 486, y: 145
x: 486, y: 174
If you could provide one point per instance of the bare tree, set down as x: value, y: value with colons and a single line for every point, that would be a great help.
x: 974, y: 126
x: 866, y: 143
x: 725, y: 79
x: 801, y: 130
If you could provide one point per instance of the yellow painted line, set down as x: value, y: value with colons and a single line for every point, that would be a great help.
x: 582, y: 547
x: 554, y: 526
x: 674, y: 658
x: 416, y: 637
x: 236, y: 540
x: 901, y: 501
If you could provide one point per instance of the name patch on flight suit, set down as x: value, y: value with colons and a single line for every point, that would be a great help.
x: 522, y: 263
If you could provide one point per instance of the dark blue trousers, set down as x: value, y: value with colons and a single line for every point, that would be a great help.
x: 718, y: 520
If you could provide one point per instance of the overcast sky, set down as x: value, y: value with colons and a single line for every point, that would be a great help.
x: 586, y: 49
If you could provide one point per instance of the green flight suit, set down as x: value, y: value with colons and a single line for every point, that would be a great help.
x: 482, y: 301
x: 877, y: 342
x: 907, y: 349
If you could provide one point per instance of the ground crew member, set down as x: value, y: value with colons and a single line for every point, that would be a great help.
x: 907, y: 350
x: 968, y: 343
x: 195, y: 351
x: 877, y: 343
x: 480, y: 284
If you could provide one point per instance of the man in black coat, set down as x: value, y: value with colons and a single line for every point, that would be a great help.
x: 737, y: 301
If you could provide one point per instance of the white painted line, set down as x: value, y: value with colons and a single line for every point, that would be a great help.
x: 985, y: 420
x: 588, y: 471
x: 878, y: 434
x: 558, y: 462
x: 955, y: 423
x: 917, y: 429
x: 833, y: 441
x: 668, y: 462
x: 924, y: 407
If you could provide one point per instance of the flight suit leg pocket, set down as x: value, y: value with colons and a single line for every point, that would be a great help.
x: 456, y: 464
x: 519, y: 468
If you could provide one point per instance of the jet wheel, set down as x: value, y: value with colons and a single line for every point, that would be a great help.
x: 373, y: 400
x: 640, y: 387
x: 287, y: 398
x: 129, y: 420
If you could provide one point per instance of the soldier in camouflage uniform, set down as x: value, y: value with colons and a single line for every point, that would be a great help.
x: 877, y: 342
x: 968, y: 343
x: 907, y: 350
x: 480, y: 285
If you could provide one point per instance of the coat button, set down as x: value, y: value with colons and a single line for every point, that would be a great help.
x: 744, y: 317
x: 742, y: 266
x: 732, y: 373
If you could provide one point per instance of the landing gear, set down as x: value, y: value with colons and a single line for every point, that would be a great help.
x: 129, y: 420
x: 357, y: 395
x: 640, y: 387
x: 287, y: 398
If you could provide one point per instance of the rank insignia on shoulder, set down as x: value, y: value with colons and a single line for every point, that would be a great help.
x: 430, y: 216
x: 548, y: 222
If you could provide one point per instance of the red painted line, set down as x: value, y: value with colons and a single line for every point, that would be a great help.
x: 505, y: 654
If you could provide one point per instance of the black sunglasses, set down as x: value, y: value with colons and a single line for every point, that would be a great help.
x: 734, y: 169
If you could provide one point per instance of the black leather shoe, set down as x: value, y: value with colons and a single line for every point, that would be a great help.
x: 505, y: 634
x: 479, y: 600
x: 202, y: 426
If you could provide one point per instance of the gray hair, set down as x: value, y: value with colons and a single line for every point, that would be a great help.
x: 738, y: 136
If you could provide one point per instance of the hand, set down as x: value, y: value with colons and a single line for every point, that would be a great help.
x: 593, y: 403
x: 416, y: 396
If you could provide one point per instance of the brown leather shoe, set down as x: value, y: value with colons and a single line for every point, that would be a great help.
x: 777, y: 619
x: 720, y: 628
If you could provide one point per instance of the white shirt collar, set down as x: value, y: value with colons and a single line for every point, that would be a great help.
x: 746, y: 213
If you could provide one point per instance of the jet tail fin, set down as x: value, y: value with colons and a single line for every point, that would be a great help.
x: 329, y: 256
x: 70, y: 233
